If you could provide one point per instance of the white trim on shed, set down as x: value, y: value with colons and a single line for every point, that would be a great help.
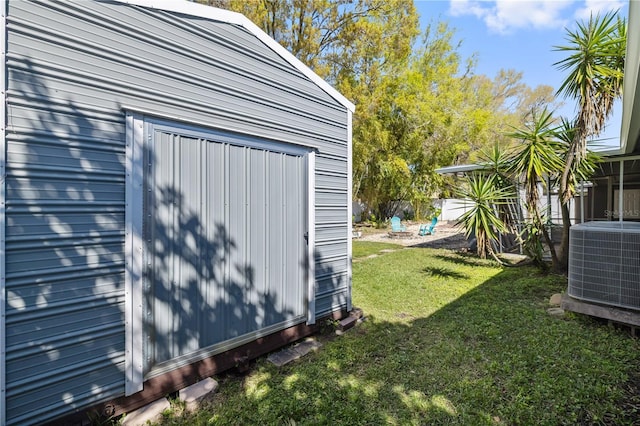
x: 311, y: 237
x: 349, y: 208
x: 3, y: 171
x: 133, y: 247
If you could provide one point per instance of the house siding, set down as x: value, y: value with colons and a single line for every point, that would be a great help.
x: 73, y: 69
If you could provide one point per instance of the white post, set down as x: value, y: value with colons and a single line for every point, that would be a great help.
x: 581, y: 201
x: 621, y: 193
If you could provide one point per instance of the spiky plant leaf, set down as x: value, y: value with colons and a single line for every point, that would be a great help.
x: 482, y: 219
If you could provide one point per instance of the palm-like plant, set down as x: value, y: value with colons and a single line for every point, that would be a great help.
x: 482, y: 220
x: 580, y: 171
x: 496, y: 162
x: 537, y: 158
x: 596, y: 68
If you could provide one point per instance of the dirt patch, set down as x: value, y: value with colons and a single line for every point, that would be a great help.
x: 446, y: 236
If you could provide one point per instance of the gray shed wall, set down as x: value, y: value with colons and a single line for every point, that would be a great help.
x: 73, y: 69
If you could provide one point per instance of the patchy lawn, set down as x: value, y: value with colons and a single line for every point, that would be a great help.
x: 366, y: 248
x: 448, y: 339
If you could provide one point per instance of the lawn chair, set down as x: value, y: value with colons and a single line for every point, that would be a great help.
x: 428, y: 229
x: 396, y: 226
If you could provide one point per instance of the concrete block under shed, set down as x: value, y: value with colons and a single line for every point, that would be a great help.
x: 294, y: 352
x: 193, y: 394
x: 149, y: 413
x: 347, y: 323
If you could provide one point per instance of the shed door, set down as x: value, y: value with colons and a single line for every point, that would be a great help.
x: 225, y: 228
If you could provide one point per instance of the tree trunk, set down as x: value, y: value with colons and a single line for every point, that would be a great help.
x: 563, y: 258
x: 547, y: 238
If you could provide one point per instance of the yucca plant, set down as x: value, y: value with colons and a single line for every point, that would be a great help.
x: 579, y: 172
x: 536, y: 158
x: 595, y: 68
x: 482, y: 219
x: 496, y: 163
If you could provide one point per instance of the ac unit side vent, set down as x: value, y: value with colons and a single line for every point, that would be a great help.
x: 604, y: 263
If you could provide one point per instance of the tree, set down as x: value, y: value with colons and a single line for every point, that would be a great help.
x: 416, y: 118
x: 497, y: 163
x: 537, y: 158
x: 305, y: 28
x: 596, y: 69
x: 580, y: 172
x: 418, y: 104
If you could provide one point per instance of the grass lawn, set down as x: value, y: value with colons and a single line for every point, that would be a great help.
x: 448, y: 339
x: 366, y: 248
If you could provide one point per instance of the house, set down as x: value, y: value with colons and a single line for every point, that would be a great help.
x: 174, y: 201
x: 604, y: 257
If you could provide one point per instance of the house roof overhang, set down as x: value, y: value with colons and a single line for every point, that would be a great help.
x: 630, y: 128
x: 220, y: 15
x: 458, y: 169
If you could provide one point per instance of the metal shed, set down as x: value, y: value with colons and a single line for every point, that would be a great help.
x: 175, y: 197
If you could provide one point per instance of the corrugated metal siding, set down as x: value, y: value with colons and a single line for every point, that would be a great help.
x: 73, y: 67
x: 226, y: 247
x: 332, y: 227
x: 123, y: 51
x: 64, y: 262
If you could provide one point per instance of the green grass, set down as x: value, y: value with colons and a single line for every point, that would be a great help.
x: 366, y: 248
x: 448, y: 339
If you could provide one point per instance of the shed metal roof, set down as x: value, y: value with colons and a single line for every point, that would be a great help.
x: 221, y: 15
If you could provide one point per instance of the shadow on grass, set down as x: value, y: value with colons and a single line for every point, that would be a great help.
x: 452, y: 242
x: 444, y: 272
x: 460, y: 258
x: 490, y: 356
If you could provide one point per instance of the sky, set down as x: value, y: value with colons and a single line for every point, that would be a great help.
x: 521, y: 35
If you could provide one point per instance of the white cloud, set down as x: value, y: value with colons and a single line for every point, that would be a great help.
x: 505, y: 16
x: 597, y: 6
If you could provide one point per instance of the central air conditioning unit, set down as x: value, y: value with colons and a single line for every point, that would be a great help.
x: 604, y: 263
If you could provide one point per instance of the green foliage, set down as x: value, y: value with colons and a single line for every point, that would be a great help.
x: 393, y: 159
x: 449, y: 339
x: 595, y: 66
x: 482, y: 220
x: 531, y: 237
x: 537, y: 159
x: 408, y: 214
x: 537, y: 156
x: 419, y: 106
x: 580, y: 171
